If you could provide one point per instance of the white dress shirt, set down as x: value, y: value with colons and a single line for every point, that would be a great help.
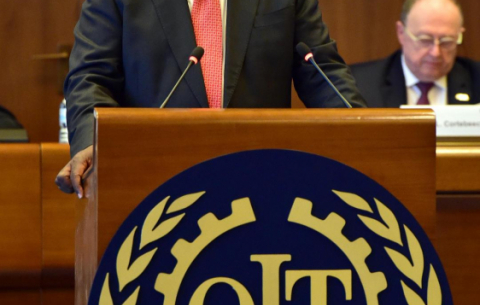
x: 437, y: 95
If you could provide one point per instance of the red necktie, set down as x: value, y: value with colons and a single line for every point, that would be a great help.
x: 424, y: 88
x: 207, y: 24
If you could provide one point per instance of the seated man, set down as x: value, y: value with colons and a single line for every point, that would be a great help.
x: 8, y: 120
x: 426, y: 70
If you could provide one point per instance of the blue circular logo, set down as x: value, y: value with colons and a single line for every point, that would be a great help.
x: 270, y: 227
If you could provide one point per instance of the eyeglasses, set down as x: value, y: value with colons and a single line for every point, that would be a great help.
x: 426, y: 41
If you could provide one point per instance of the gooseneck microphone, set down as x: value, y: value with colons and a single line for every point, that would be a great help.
x: 304, y: 51
x: 194, y: 58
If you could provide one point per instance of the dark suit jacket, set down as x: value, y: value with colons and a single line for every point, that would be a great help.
x: 130, y: 53
x: 382, y: 82
x: 8, y: 120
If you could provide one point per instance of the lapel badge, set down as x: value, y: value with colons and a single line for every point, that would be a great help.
x: 462, y: 97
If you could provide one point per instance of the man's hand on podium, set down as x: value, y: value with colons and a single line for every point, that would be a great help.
x: 70, y: 178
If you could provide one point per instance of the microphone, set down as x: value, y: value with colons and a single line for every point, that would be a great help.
x: 194, y: 58
x: 304, y: 51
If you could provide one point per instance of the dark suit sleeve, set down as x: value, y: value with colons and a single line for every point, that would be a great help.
x: 310, y: 86
x: 96, y: 74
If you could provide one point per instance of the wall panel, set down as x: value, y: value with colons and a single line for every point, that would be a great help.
x: 365, y: 29
x: 29, y: 88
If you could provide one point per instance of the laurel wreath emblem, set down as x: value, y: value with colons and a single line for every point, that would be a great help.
x: 152, y: 230
x: 389, y: 229
x: 156, y: 227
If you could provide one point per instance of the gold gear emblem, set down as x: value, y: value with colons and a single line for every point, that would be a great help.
x: 356, y: 251
x: 185, y: 253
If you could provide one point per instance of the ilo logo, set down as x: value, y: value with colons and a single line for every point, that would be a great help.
x: 270, y: 227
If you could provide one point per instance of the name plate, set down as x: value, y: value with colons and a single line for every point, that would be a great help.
x: 456, y: 121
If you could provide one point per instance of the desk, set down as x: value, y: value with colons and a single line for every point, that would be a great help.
x: 20, y: 224
x: 58, y: 235
x: 37, y: 224
x: 458, y: 219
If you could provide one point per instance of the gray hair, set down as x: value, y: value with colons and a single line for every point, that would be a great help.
x: 408, y: 4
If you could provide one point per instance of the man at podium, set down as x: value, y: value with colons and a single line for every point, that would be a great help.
x: 131, y: 54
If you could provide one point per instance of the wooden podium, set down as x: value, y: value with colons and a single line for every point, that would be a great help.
x: 136, y: 150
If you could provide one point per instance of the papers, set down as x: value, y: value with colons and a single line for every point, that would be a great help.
x: 455, y: 121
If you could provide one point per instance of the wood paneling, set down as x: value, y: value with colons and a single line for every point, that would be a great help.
x: 458, y: 219
x: 364, y: 144
x: 58, y: 297
x: 471, y: 41
x: 20, y: 223
x: 28, y: 87
x: 37, y: 225
x: 458, y: 244
x: 364, y: 30
x: 458, y: 169
x: 58, y: 221
x: 27, y: 297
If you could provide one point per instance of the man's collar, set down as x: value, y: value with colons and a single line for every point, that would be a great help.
x: 411, y: 80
